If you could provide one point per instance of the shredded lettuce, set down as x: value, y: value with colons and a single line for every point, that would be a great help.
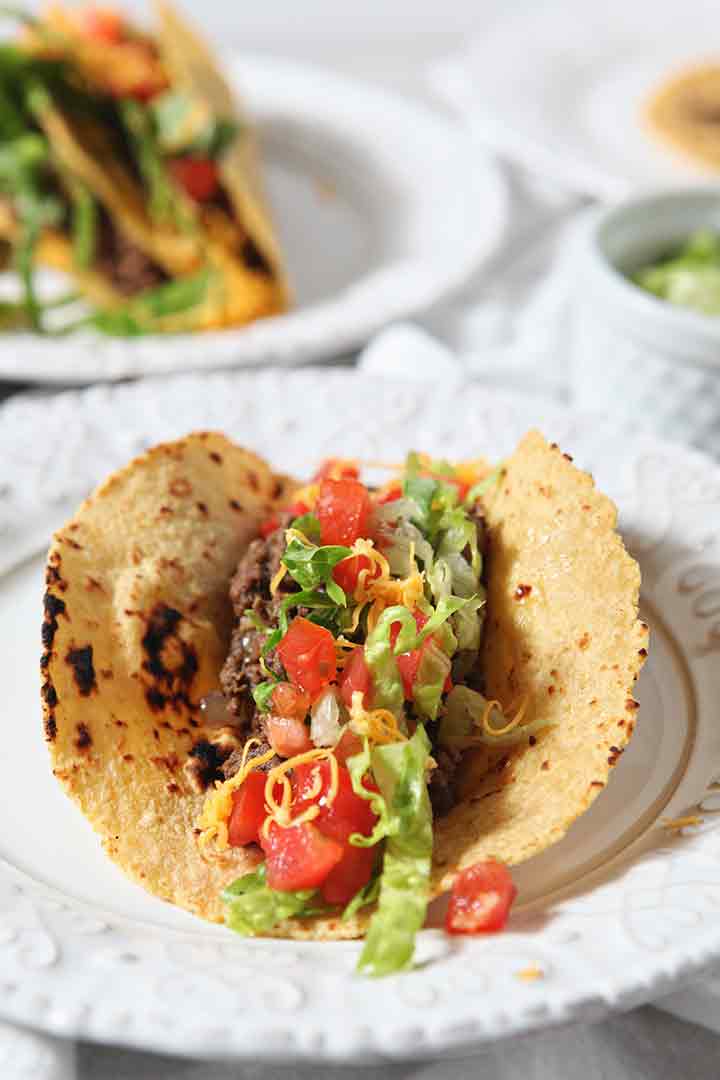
x: 399, y: 769
x: 363, y: 897
x: 464, y: 709
x: 312, y: 566
x: 358, y: 766
x: 262, y: 694
x: 431, y: 679
x: 387, y: 684
x: 483, y: 486
x: 309, y: 525
x: 254, y: 908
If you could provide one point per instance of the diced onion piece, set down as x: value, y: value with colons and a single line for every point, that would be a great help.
x: 325, y: 719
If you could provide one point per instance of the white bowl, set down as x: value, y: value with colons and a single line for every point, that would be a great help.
x: 634, y: 356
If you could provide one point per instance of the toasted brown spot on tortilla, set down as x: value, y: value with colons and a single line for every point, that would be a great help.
x: 53, y: 607
x: 642, y: 652
x: 54, y: 579
x: 72, y: 543
x: 597, y: 783
x: 128, y: 757
x: 522, y: 591
x: 50, y: 728
x: 83, y: 739
x: 106, y: 673
x: 584, y: 641
x: 214, y: 456
x: 92, y: 583
x: 545, y: 765
x: 172, y: 788
x: 49, y: 694
x: 202, y: 507
x: 81, y: 661
x: 166, y: 510
x: 235, y: 505
x: 631, y: 704
x: 180, y: 486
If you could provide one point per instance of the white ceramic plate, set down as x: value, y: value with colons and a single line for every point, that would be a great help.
x: 382, y: 210
x: 560, y: 87
x: 618, y: 912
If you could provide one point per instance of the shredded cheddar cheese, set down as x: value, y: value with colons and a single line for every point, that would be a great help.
x: 218, y: 803
x: 677, y: 824
x: 377, y: 588
x: 280, y: 812
x: 379, y: 725
x: 277, y: 578
x: 531, y: 974
x: 307, y: 495
x: 507, y: 728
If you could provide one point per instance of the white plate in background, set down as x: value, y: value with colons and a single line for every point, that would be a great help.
x: 559, y: 87
x: 382, y: 207
x: 617, y: 913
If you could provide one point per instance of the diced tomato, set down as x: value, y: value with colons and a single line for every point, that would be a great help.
x: 269, y: 526
x: 355, y: 676
x: 288, y: 700
x: 462, y: 489
x: 480, y: 900
x: 299, y: 857
x: 350, y: 744
x: 198, y: 176
x: 350, y: 875
x: 307, y: 652
x: 337, y: 469
x: 346, y: 814
x: 297, y: 509
x: 288, y: 736
x: 409, y: 662
x: 103, y: 24
x: 391, y: 494
x: 248, y: 810
x: 347, y: 572
x: 343, y: 509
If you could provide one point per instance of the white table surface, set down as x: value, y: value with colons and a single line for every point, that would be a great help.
x: 392, y: 45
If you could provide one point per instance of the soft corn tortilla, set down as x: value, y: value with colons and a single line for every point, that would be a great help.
x: 684, y: 113
x: 137, y: 625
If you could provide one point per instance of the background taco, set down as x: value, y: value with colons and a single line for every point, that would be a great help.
x: 141, y: 164
x: 138, y: 625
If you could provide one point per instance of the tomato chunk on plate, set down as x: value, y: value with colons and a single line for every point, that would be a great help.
x: 248, y: 810
x: 307, y: 652
x: 481, y: 899
x: 299, y: 857
x: 343, y: 509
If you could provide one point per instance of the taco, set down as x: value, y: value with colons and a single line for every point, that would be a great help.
x: 310, y: 710
x: 126, y: 163
x: 683, y: 114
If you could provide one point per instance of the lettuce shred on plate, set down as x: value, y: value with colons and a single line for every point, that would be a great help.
x: 354, y: 675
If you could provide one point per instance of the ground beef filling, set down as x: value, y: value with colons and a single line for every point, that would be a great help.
x: 128, y: 269
x: 241, y: 673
